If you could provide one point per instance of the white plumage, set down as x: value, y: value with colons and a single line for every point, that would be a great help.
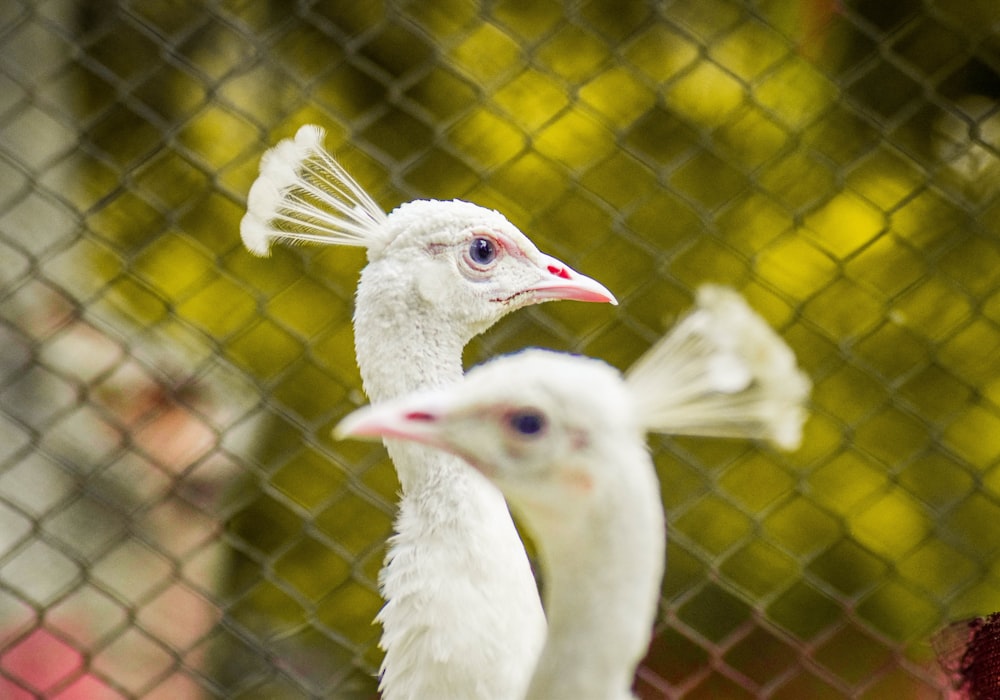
x: 563, y: 438
x: 462, y: 617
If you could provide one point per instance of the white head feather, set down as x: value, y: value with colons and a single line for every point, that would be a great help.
x: 304, y: 195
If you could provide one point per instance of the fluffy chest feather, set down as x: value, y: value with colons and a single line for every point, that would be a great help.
x: 462, y: 617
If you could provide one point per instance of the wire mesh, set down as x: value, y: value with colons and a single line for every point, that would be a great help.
x: 177, y: 522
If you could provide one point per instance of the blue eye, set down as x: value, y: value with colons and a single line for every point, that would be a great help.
x: 482, y: 251
x: 526, y: 422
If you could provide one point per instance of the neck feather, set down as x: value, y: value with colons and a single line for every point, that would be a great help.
x: 405, y: 343
x: 600, y: 598
x: 462, y: 615
x: 401, y: 351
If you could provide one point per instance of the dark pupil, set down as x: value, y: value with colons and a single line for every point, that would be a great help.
x: 527, y: 423
x: 482, y: 251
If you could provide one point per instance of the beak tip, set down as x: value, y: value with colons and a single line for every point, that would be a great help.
x: 603, y: 294
x: 340, y: 432
x: 354, y: 425
x: 594, y: 291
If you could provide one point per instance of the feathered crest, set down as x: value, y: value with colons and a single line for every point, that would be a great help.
x: 303, y: 195
x: 723, y: 372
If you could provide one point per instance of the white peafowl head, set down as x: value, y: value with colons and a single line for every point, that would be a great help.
x: 451, y: 257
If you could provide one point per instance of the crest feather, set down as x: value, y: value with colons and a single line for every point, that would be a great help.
x: 723, y: 372
x: 303, y: 195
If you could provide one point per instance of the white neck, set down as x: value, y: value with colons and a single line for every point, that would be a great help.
x: 462, y: 619
x: 602, y: 577
x: 402, y: 345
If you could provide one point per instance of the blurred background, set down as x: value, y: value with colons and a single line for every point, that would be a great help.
x: 177, y: 522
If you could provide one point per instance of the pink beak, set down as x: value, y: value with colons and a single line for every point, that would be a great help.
x: 566, y: 283
x: 422, y: 418
x: 406, y: 418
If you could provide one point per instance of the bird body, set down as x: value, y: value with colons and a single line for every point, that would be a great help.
x: 462, y: 617
x: 563, y: 437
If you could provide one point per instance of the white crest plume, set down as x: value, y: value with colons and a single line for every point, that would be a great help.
x: 722, y: 372
x: 303, y: 195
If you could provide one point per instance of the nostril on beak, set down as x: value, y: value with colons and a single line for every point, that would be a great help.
x: 420, y: 416
x: 559, y: 272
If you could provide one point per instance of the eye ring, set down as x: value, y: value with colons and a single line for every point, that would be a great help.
x: 527, y: 422
x: 482, y: 252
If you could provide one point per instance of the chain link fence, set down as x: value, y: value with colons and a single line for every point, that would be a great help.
x: 177, y: 522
